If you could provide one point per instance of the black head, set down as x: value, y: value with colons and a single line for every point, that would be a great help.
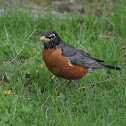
x: 50, y: 39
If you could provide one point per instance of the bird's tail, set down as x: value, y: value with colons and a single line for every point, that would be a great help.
x: 111, y: 67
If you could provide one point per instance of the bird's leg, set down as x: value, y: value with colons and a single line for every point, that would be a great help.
x: 69, y: 82
x: 76, y: 84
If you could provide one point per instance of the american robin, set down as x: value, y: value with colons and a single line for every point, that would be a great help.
x: 66, y: 61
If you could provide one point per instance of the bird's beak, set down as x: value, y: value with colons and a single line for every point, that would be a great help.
x: 44, y: 38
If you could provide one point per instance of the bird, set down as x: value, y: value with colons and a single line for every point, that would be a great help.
x: 66, y: 61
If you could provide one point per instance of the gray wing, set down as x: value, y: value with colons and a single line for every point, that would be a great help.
x: 80, y: 58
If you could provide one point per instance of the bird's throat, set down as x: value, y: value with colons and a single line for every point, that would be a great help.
x: 49, y: 45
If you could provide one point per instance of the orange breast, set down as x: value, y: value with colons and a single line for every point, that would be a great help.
x: 59, y: 65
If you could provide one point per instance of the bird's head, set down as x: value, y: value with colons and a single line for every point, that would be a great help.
x: 50, y: 39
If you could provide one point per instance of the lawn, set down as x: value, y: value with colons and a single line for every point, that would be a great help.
x: 31, y: 95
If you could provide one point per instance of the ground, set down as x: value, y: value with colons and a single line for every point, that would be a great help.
x: 30, y: 94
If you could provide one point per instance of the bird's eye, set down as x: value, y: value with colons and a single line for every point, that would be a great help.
x: 52, y: 36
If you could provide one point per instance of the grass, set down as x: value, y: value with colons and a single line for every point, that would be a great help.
x: 41, y: 99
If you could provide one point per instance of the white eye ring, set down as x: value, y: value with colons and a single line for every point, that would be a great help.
x: 52, y: 36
